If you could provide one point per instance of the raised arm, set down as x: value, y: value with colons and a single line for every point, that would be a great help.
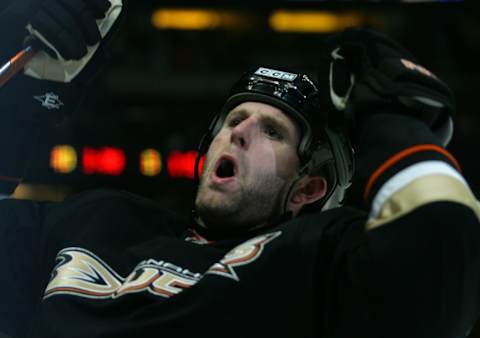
x: 413, y: 269
x: 69, y: 37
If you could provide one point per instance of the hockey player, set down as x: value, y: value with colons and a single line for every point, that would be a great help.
x: 270, y: 251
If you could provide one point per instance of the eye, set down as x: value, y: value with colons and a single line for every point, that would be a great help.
x: 233, y: 122
x: 273, y: 132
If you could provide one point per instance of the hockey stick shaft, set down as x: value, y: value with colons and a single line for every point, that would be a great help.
x: 16, y: 64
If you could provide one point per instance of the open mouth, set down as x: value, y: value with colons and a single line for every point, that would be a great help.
x: 226, y: 167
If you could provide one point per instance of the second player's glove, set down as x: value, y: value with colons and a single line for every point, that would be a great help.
x: 68, y: 32
x: 366, y: 72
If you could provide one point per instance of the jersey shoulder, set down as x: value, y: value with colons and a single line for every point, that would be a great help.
x: 106, y: 210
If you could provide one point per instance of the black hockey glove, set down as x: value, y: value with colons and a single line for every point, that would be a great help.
x: 366, y: 72
x: 69, y: 31
x: 67, y: 27
x: 50, y: 87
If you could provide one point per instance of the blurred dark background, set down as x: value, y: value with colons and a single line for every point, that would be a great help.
x: 162, y: 85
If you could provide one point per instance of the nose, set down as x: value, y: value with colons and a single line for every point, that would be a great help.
x: 243, y: 133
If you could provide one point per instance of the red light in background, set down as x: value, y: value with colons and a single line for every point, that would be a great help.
x: 182, y: 164
x: 111, y: 161
x: 200, y: 165
x: 89, y: 160
x: 106, y: 160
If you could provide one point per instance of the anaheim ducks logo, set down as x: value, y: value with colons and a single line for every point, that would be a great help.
x: 243, y: 254
x: 81, y: 273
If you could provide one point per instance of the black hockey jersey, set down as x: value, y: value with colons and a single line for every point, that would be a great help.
x: 112, y: 264
x: 402, y: 259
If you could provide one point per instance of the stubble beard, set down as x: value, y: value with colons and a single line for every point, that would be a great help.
x: 249, y: 206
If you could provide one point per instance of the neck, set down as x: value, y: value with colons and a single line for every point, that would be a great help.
x: 221, y: 233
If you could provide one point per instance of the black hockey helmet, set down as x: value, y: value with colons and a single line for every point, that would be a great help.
x: 322, y: 150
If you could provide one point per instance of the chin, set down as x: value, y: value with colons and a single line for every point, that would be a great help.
x: 216, y: 210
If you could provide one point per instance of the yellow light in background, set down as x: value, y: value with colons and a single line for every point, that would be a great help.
x: 185, y: 19
x: 63, y: 159
x: 150, y: 162
x: 197, y: 19
x: 313, y: 21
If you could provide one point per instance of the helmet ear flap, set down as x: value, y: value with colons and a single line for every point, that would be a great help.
x: 205, y: 142
x: 334, y: 160
x: 344, y: 157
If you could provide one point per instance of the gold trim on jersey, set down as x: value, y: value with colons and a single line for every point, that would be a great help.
x: 424, y: 190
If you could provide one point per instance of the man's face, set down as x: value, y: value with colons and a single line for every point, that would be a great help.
x: 248, y: 168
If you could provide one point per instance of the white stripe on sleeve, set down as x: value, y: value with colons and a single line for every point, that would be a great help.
x: 406, y: 176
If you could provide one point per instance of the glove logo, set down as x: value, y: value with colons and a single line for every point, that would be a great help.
x: 49, y: 100
x: 338, y: 101
x: 336, y: 55
x: 413, y: 66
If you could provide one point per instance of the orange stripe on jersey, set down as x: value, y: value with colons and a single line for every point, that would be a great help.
x: 401, y: 155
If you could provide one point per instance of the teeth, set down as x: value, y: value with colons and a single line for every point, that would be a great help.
x: 225, y: 169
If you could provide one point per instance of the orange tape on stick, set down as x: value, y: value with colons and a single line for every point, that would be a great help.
x: 16, y: 64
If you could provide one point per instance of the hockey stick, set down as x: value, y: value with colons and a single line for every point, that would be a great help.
x: 15, y: 64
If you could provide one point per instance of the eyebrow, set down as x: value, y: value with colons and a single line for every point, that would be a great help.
x: 235, y: 113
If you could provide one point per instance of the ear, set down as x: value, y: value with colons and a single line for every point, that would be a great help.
x: 308, y: 190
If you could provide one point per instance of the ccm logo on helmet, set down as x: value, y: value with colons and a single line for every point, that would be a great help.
x: 276, y: 74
